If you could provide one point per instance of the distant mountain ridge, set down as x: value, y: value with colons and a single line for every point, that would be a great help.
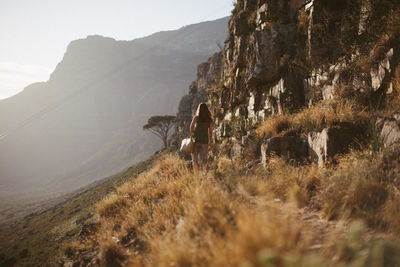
x: 85, y: 123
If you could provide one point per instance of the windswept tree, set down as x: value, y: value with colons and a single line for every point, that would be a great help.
x: 160, y: 126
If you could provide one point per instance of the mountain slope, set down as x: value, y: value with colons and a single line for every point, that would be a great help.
x: 304, y: 170
x: 65, y: 133
x: 44, y: 235
x: 305, y: 163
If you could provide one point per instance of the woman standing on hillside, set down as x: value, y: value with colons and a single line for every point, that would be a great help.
x: 201, y: 130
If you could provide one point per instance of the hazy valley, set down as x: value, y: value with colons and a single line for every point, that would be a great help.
x: 85, y: 123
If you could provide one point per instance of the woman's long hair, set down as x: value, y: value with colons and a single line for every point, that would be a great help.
x: 204, y: 113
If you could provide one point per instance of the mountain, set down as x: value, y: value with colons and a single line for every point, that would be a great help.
x: 304, y: 166
x: 85, y: 122
x: 305, y: 162
x: 320, y: 72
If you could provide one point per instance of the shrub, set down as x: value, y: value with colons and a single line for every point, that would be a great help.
x: 327, y: 113
x: 111, y: 206
x: 390, y: 214
x: 314, y: 118
x: 357, y: 250
x: 364, y: 200
x: 274, y: 126
x: 111, y: 254
x: 355, y: 189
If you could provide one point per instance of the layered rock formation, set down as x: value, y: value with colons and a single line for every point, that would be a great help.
x: 284, y: 56
x: 208, y: 76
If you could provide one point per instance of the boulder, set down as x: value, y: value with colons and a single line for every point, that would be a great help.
x: 236, y: 151
x: 331, y: 141
x: 289, y: 145
x: 318, y: 143
x: 390, y: 133
x: 379, y: 72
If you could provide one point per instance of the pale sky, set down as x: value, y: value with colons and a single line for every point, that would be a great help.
x: 34, y: 34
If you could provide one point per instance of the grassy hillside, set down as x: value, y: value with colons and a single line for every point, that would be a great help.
x: 158, y: 213
x: 39, y: 239
x: 336, y: 209
x: 283, y: 215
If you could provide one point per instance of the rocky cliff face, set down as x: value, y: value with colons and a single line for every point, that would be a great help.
x: 208, y: 76
x: 281, y: 57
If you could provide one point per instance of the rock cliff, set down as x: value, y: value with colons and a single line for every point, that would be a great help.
x: 302, y: 80
x: 208, y: 76
x: 283, y: 57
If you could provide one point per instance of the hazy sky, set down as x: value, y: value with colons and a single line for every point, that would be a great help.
x: 35, y: 33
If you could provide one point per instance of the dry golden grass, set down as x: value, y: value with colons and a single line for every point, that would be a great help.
x: 111, y: 206
x: 47, y: 236
x: 361, y: 187
x: 171, y: 217
x: 327, y: 113
x: 314, y: 118
x: 273, y: 126
x: 282, y: 180
x: 111, y: 254
x: 390, y: 213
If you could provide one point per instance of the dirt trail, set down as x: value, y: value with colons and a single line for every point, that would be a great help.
x: 322, y: 233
